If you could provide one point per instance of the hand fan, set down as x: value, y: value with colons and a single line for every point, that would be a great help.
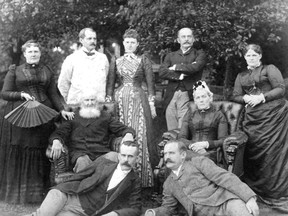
x: 30, y: 114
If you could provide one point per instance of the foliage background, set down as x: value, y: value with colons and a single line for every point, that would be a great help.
x: 221, y: 27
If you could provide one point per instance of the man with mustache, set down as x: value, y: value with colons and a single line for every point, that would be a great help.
x: 202, y: 187
x: 87, y: 135
x: 85, y: 69
x: 104, y: 188
x: 182, y: 69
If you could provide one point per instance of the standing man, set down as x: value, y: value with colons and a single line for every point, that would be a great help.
x: 202, y: 187
x: 85, y: 69
x: 182, y: 68
x: 105, y: 188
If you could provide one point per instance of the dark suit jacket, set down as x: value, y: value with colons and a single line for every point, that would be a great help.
x: 191, y: 63
x: 202, y: 182
x: 126, y: 200
x: 89, y: 136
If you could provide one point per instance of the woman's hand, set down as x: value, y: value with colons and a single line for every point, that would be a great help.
x: 67, y: 115
x: 56, y: 150
x: 198, y: 146
x: 26, y: 96
x: 153, y: 110
x: 256, y: 99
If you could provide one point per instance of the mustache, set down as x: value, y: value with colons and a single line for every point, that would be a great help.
x: 168, y: 161
x: 126, y: 164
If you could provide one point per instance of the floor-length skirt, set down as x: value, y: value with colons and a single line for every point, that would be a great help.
x: 24, y: 168
x: 134, y: 112
x: 266, y: 154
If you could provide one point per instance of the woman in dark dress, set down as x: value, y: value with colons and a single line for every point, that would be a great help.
x: 24, y: 168
x: 205, y: 127
x: 135, y: 108
x: 261, y: 88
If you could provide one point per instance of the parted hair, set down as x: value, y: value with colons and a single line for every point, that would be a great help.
x: 130, y: 143
x: 255, y: 47
x: 83, y: 31
x: 181, y: 146
x: 131, y: 33
x: 30, y: 43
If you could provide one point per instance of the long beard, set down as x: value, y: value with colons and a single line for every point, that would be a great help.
x: 89, y: 112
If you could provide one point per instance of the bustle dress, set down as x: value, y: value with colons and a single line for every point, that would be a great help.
x: 266, y: 124
x: 134, y: 109
x: 24, y: 168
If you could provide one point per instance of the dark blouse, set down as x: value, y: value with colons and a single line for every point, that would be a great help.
x: 266, y: 79
x: 37, y: 81
x: 209, y: 125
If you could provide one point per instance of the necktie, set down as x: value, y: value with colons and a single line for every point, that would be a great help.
x: 89, y: 54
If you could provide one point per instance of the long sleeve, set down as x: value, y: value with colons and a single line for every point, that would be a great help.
x: 195, y: 66
x: 9, y: 91
x: 111, y: 78
x: 277, y: 83
x: 222, y: 131
x: 64, y: 80
x: 62, y: 133
x: 119, y: 129
x: 165, y: 73
x: 149, y: 75
x: 238, y: 92
x: 53, y: 95
x: 223, y: 178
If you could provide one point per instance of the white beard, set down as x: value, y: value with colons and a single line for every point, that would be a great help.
x: 89, y: 112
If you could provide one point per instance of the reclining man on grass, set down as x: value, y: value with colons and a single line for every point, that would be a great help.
x: 104, y: 188
x: 202, y: 187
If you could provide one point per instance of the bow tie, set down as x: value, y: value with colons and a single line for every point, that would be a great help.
x: 89, y: 53
x: 129, y: 55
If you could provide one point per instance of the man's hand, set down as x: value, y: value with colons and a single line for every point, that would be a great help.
x: 57, y: 149
x: 67, y: 115
x: 150, y: 212
x: 252, y: 206
x: 198, y: 146
x: 128, y: 137
x: 111, y: 214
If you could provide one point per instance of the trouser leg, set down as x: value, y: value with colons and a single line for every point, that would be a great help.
x: 236, y: 207
x: 182, y: 106
x: 171, y: 114
x: 52, y: 204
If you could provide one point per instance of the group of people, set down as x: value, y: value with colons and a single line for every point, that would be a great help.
x: 109, y: 183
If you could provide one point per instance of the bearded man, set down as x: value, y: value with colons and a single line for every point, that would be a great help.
x: 87, y: 135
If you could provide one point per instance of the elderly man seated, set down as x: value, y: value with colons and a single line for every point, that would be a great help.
x: 202, y: 187
x: 204, y: 128
x: 87, y: 135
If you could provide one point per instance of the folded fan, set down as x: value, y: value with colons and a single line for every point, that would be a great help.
x: 30, y: 114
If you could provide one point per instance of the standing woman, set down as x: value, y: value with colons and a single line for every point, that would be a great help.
x: 261, y: 88
x: 135, y: 109
x: 24, y: 168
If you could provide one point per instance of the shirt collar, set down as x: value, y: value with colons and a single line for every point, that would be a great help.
x: 84, y: 49
x: 124, y: 172
x: 176, y: 172
x: 253, y: 67
x: 186, y: 51
x: 130, y: 55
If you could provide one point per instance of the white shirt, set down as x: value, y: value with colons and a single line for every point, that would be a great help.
x: 117, y: 177
x: 80, y: 73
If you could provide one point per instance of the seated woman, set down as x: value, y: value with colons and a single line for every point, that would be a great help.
x: 204, y: 128
x: 261, y: 88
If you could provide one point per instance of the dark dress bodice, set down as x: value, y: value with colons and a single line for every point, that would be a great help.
x: 209, y: 125
x: 37, y: 81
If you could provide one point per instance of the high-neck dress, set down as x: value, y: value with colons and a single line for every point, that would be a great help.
x: 24, y: 168
x: 266, y: 124
x: 134, y: 109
